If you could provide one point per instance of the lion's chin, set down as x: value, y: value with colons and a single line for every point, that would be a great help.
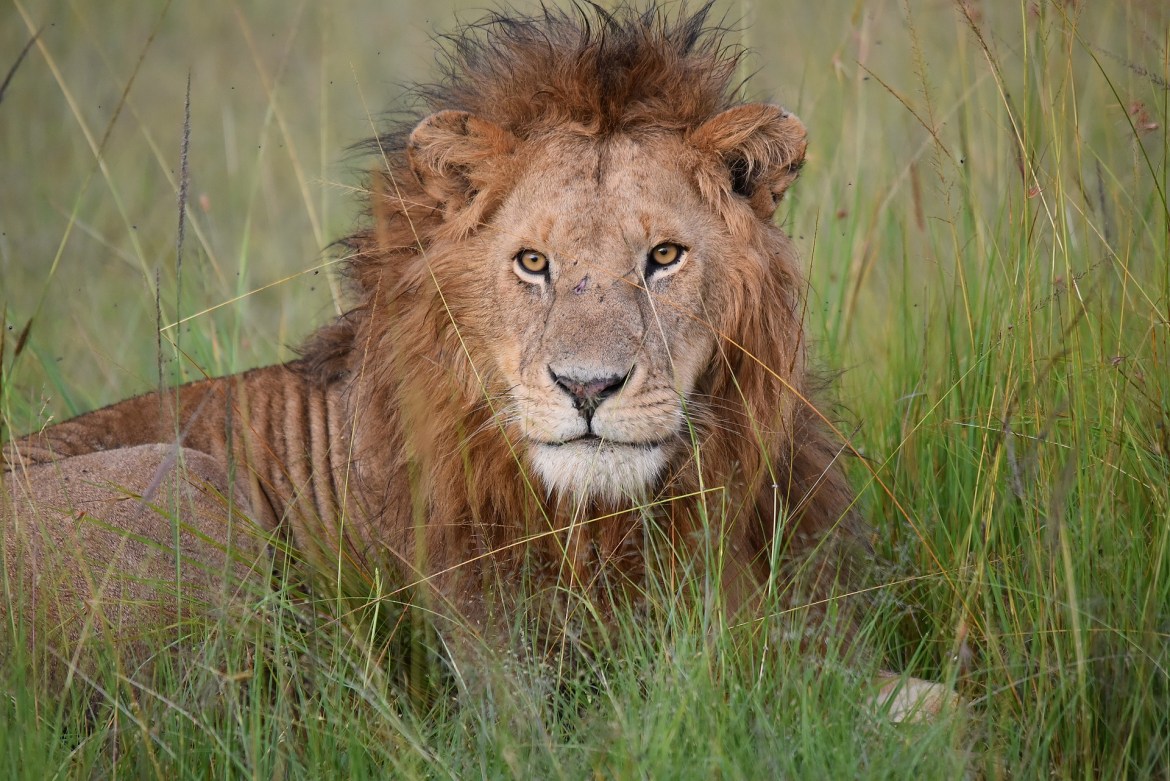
x: 593, y: 469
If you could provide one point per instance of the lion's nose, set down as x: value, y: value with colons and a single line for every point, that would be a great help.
x: 587, y: 391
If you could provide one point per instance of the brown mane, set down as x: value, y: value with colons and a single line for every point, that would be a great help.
x: 420, y: 397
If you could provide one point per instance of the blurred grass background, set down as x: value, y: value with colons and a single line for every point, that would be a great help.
x: 984, y: 215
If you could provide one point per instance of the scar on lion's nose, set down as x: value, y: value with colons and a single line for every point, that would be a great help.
x: 579, y: 288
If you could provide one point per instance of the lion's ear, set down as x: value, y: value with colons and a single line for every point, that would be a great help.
x: 455, y: 155
x: 762, y: 149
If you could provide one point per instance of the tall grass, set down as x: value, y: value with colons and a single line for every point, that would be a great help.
x: 985, y: 217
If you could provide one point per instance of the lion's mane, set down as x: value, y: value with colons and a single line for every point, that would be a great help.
x: 423, y: 402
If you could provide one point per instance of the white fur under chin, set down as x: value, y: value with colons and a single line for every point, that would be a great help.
x: 602, y: 471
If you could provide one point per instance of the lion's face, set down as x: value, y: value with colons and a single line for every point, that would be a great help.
x: 597, y: 264
x: 591, y: 278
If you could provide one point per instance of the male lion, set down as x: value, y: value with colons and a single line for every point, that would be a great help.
x: 574, y: 320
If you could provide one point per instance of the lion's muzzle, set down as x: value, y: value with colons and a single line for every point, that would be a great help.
x: 588, y: 390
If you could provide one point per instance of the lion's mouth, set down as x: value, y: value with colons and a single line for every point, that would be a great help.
x: 594, y: 441
x: 590, y: 466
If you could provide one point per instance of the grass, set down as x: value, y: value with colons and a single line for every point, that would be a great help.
x: 985, y: 217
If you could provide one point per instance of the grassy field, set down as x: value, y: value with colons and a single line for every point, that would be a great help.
x: 984, y: 213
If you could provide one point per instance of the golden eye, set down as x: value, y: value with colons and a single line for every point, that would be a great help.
x: 666, y: 254
x: 532, y: 261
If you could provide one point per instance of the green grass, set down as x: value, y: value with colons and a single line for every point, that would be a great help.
x: 984, y: 213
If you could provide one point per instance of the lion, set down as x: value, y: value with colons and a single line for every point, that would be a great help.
x: 573, y: 318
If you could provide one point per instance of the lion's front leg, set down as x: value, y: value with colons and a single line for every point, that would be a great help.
x: 126, y: 549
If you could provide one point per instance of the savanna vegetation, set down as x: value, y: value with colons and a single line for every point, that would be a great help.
x: 984, y: 216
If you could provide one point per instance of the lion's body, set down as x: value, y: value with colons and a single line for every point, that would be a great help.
x: 279, y: 435
x: 574, y: 318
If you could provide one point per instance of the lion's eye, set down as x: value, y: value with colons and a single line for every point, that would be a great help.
x: 532, y: 262
x: 665, y: 254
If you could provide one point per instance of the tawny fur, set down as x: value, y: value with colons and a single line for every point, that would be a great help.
x: 128, y: 551
x: 382, y: 444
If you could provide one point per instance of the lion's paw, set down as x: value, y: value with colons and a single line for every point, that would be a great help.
x: 905, y: 699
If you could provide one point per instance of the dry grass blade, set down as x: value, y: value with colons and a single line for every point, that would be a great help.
x: 16, y: 65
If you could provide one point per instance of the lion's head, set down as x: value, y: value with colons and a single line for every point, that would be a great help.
x: 597, y: 282
x: 573, y: 293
